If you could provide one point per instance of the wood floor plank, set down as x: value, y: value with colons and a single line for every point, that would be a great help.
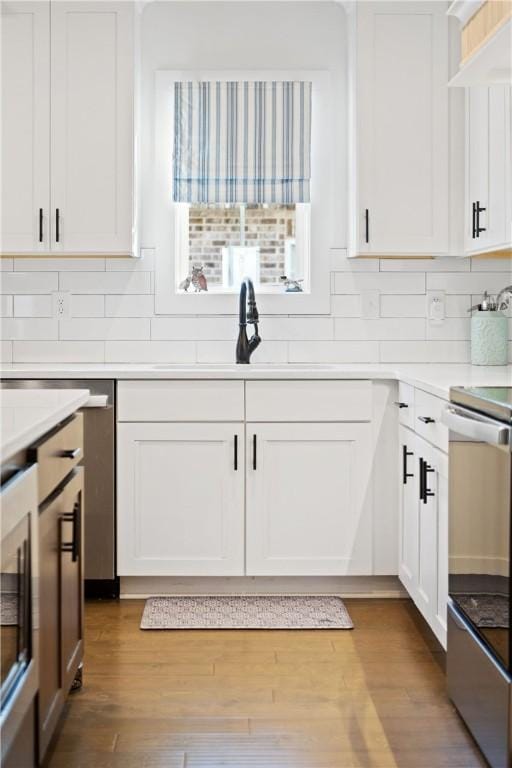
x: 372, y: 697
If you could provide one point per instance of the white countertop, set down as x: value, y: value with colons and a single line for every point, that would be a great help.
x: 436, y: 378
x: 27, y: 414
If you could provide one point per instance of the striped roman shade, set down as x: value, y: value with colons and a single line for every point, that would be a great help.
x: 242, y: 142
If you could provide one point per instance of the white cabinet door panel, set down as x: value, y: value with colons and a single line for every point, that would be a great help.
x: 432, y: 588
x: 25, y: 127
x: 408, y: 525
x: 180, y: 499
x: 309, y: 499
x: 488, y: 178
x: 92, y: 126
x: 402, y: 127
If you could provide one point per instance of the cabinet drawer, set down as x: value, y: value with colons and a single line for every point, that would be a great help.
x: 308, y: 400
x: 405, y: 404
x: 58, y: 453
x: 190, y: 400
x: 427, y: 419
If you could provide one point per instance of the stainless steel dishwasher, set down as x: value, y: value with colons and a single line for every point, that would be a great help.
x: 99, y: 493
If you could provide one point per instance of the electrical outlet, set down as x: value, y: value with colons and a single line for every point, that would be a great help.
x: 370, y: 304
x: 436, y: 307
x: 61, y: 303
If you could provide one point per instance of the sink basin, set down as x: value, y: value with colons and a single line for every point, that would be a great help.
x: 242, y: 368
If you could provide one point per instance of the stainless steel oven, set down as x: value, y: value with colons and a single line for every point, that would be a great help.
x: 18, y: 601
x: 479, y: 661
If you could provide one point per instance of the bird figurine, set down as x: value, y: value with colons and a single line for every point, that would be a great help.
x: 199, y: 279
x: 185, y: 284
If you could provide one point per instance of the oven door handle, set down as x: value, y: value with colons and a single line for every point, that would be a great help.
x: 468, y: 425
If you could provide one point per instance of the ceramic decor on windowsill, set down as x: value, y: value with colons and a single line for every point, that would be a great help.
x: 489, y: 330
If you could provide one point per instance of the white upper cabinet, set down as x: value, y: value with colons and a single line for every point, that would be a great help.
x: 92, y: 126
x: 488, y: 215
x: 67, y: 127
x: 399, y: 129
x: 25, y: 127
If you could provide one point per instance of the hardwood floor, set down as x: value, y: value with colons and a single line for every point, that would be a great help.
x: 373, y: 697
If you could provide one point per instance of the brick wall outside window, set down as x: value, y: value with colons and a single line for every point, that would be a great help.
x: 213, y: 227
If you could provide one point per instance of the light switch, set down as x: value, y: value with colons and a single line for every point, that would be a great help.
x: 436, y: 307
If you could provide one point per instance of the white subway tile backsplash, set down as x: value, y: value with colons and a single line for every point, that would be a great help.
x: 58, y: 351
x: 385, y: 282
x: 99, y: 328
x: 450, y: 329
x: 7, y: 305
x: 425, y: 265
x: 34, y: 305
x: 492, y: 265
x: 105, y: 282
x: 347, y: 329
x: 471, y: 282
x: 341, y: 263
x: 194, y: 328
x: 224, y: 352
x: 334, y: 351
x: 5, y: 351
x: 150, y: 352
x: 30, y: 329
x: 403, y: 306
x: 29, y: 282
x: 424, y: 352
x: 457, y: 305
x: 87, y: 305
x: 131, y: 305
x: 46, y: 264
x: 346, y: 306
x: 297, y: 328
x: 112, y: 314
x: 145, y: 263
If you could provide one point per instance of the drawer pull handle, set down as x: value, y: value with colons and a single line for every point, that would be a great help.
x: 254, y: 462
x: 426, y: 419
x: 405, y: 454
x: 400, y: 405
x: 74, y: 545
x: 235, y: 457
x: 72, y: 453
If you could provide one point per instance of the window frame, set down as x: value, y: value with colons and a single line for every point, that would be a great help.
x: 169, y: 226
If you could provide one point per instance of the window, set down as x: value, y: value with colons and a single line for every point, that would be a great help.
x: 225, y: 242
x: 233, y: 159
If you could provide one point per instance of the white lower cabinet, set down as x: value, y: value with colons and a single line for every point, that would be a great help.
x: 423, y: 567
x: 309, y: 499
x: 408, y: 517
x: 180, y: 499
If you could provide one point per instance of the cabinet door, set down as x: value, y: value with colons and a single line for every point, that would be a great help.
x: 71, y: 589
x: 488, y: 141
x: 432, y: 591
x: 92, y: 127
x: 25, y: 127
x: 309, y: 499
x: 51, y: 692
x: 180, y: 499
x: 402, y: 128
x: 61, y: 600
x: 408, y: 518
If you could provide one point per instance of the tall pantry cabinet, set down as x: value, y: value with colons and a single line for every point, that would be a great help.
x: 67, y: 128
